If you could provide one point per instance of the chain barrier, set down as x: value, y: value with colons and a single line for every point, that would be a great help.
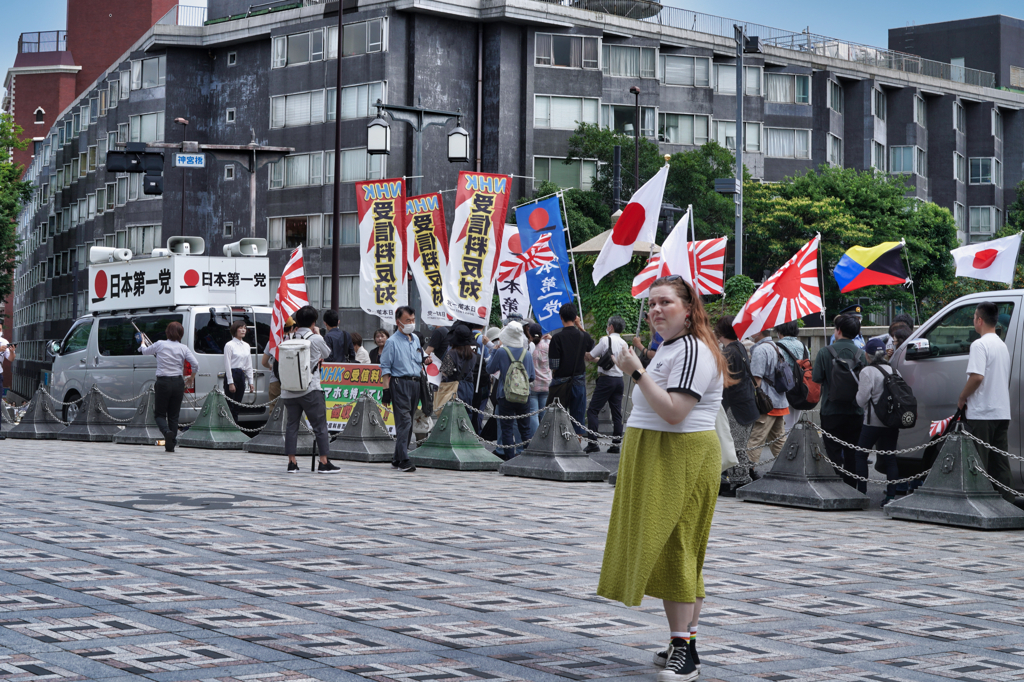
x: 113, y: 418
x: 62, y: 404
x: 469, y: 407
x: 977, y: 468
x: 118, y: 400
x: 53, y: 416
x: 990, y: 447
x: 249, y: 405
x: 881, y: 452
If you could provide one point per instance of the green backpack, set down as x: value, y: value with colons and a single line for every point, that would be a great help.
x: 517, y: 381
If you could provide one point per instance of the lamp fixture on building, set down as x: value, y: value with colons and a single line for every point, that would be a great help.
x: 378, y: 135
x: 458, y: 144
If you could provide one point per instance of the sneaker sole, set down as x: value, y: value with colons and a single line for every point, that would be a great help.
x: 293, y: 471
x: 409, y: 470
x: 660, y: 660
x: 332, y: 471
x: 667, y: 676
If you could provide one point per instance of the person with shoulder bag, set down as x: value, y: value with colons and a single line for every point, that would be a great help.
x: 874, y: 432
x: 514, y: 365
x: 739, y: 403
x: 609, y: 387
x: 773, y: 376
x: 836, y: 369
x: 805, y: 394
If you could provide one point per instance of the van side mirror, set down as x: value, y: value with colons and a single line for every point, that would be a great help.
x: 53, y: 349
x: 918, y: 349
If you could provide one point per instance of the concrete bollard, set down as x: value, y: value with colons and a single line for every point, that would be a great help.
x: 142, y: 429
x: 270, y: 441
x: 955, y: 494
x: 366, y: 437
x: 214, y: 428
x: 554, y: 453
x: 802, y: 476
x: 452, y: 444
x: 38, y: 422
x: 92, y: 424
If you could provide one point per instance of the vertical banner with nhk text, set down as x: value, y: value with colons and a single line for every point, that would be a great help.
x: 383, y: 265
x: 481, y: 203
x: 427, y: 240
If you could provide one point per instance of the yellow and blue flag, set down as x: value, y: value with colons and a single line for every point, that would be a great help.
x: 864, y: 266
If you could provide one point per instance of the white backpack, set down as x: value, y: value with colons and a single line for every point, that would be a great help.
x: 293, y: 365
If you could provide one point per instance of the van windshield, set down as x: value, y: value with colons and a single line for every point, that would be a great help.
x: 211, y: 331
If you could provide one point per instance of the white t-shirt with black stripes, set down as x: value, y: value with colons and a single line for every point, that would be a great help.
x: 685, y: 365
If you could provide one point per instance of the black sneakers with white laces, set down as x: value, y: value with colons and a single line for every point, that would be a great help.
x: 661, y: 658
x: 680, y: 666
x: 328, y: 468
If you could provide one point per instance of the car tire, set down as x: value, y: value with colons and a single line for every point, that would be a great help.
x: 71, y: 411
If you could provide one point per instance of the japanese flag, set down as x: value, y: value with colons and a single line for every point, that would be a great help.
x: 993, y: 261
x: 638, y: 222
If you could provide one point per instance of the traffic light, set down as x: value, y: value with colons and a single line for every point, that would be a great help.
x: 153, y: 183
x: 135, y: 159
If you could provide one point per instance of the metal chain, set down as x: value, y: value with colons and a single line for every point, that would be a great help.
x: 113, y: 418
x: 252, y: 405
x: 766, y: 444
x: 245, y: 430
x: 117, y: 400
x: 876, y: 481
x: 62, y: 404
x: 977, y: 468
x: 53, y: 416
x: 879, y: 452
x: 990, y: 447
x: 469, y: 407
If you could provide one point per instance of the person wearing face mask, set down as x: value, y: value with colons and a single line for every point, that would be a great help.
x: 400, y: 364
x: 668, y: 476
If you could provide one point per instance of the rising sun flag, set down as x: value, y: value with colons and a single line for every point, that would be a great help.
x: 791, y: 293
x: 865, y: 266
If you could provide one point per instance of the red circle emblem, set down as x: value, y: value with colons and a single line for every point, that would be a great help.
x: 191, y: 278
x: 984, y: 258
x: 432, y: 369
x: 481, y: 312
x: 99, y: 285
x: 514, y: 245
x: 629, y: 225
x: 538, y: 219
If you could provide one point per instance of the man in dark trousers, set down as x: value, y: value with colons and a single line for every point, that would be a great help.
x: 400, y: 364
x: 609, y: 386
x: 567, y: 358
x: 338, y: 340
x: 841, y: 418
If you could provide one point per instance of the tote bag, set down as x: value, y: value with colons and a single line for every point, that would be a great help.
x: 729, y: 458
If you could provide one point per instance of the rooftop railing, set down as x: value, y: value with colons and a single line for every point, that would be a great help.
x: 43, y: 41
x: 184, y: 15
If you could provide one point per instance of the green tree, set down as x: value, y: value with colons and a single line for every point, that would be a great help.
x: 13, y: 195
x: 1014, y: 213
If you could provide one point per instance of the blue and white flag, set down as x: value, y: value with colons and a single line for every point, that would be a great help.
x: 548, y: 283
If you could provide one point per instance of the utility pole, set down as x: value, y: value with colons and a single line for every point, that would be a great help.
x: 741, y: 40
x: 636, y: 140
x: 336, y: 220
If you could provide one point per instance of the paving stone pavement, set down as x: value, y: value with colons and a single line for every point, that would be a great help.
x: 123, y: 562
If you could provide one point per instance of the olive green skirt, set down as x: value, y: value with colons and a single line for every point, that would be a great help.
x: 658, y: 532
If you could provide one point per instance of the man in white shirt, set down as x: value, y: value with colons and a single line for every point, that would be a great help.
x: 609, y: 386
x: 769, y: 428
x: 986, y: 395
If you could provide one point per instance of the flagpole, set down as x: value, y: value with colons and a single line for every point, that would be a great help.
x: 910, y: 276
x: 565, y: 218
x: 824, y: 317
x: 693, y: 240
x: 639, y: 321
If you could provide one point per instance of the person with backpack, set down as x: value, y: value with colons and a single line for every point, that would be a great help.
x: 794, y: 351
x: 770, y: 372
x: 309, y: 401
x: 268, y: 361
x: 401, y: 363
x: 880, y: 385
x: 836, y: 368
x: 739, y: 404
x: 339, y: 340
x: 609, y: 386
x: 514, y: 366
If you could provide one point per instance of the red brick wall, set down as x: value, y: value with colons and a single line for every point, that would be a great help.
x: 100, y: 31
x: 51, y: 91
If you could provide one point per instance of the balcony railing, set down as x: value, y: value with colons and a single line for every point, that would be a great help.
x: 674, y: 17
x: 184, y: 15
x: 44, y: 41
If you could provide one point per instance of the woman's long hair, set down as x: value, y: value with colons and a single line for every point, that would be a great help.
x: 700, y: 325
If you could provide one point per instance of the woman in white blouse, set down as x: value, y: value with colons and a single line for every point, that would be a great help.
x: 237, y: 366
x: 362, y: 357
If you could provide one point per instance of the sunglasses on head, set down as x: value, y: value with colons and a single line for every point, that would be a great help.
x: 666, y: 279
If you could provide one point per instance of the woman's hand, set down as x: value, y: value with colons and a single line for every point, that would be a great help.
x: 627, y: 361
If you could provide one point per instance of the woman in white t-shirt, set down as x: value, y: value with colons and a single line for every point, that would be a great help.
x: 669, y: 473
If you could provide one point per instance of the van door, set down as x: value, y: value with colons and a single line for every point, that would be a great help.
x: 70, y: 365
x: 938, y: 378
x: 155, y: 327
x: 113, y: 364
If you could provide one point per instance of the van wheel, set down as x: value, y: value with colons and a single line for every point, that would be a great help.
x: 71, y: 411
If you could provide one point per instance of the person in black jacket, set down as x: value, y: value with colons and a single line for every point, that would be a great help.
x: 338, y: 340
x: 738, y: 402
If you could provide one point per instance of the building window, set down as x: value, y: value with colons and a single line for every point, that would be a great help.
x: 690, y: 71
x: 787, y: 143
x: 147, y: 128
x: 683, y: 129
x: 958, y: 116
x: 122, y: 133
x: 40, y: 115
x: 84, y: 116
x: 75, y: 168
x: 784, y: 88
x: 92, y: 206
x: 229, y: 229
x: 101, y: 200
x: 357, y: 101
x: 101, y: 151
x: 878, y: 101
x: 143, y: 238
x: 83, y: 164
x: 297, y: 170
x: 294, y: 231
x: 94, y: 109
x: 835, y: 97
x: 621, y: 119
x: 575, y: 52
x: 76, y: 125
x: 921, y: 111
x: 232, y: 58
x: 149, y: 73
x: 229, y: 171
x: 958, y: 215
x: 985, y: 222
x: 629, y: 62
x: 364, y: 37
x: 922, y: 162
x: 878, y: 156
x: 113, y: 93
x: 122, y: 191
x: 901, y: 159
x: 564, y: 113
x: 959, y: 167
x: 300, y: 109
x: 574, y: 174
x: 835, y: 151
x: 724, y: 132
x: 349, y: 229
x: 111, y: 195
x: 997, y: 124
x: 986, y: 171
x: 92, y: 158
x: 725, y: 79
x: 229, y: 116
x: 125, y: 83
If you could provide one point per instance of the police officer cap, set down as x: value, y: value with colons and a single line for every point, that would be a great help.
x: 852, y: 310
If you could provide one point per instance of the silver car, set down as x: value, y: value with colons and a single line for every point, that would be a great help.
x: 937, y: 374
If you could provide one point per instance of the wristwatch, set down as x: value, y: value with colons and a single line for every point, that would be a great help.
x: 637, y: 374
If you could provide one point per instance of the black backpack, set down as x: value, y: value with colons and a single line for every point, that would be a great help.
x: 799, y: 395
x: 897, y: 406
x: 782, y: 378
x: 844, y: 382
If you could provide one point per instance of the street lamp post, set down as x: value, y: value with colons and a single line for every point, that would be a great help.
x: 636, y: 140
x: 183, y: 122
x: 741, y: 39
x: 336, y: 219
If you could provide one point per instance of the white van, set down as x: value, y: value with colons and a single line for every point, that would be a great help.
x: 100, y: 350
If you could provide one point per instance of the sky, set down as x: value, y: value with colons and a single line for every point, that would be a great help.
x: 861, y: 21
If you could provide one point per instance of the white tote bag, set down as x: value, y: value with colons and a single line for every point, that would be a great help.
x: 729, y: 459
